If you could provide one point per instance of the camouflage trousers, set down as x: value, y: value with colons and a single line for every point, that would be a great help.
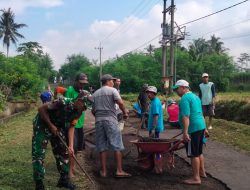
x: 40, y: 139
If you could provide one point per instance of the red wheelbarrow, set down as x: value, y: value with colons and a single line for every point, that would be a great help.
x: 156, y: 153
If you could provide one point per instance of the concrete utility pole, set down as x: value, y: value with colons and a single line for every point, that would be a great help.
x: 100, y: 48
x: 164, y: 37
x: 169, y: 36
x: 172, y: 40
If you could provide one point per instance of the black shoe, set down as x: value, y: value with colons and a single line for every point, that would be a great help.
x: 66, y: 183
x: 39, y: 185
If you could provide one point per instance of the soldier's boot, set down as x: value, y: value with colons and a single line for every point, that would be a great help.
x: 65, y: 182
x: 39, y: 185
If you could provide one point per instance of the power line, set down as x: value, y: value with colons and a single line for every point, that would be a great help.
x: 140, y: 8
x: 227, y: 26
x: 146, y: 43
x: 228, y: 38
x: 134, y: 10
x: 214, y: 13
x: 195, y: 21
x: 126, y: 27
x: 238, y: 36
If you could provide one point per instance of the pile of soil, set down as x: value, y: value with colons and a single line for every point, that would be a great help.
x: 141, y: 179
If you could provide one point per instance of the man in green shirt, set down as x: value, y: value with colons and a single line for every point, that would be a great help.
x: 193, y: 125
x: 72, y: 93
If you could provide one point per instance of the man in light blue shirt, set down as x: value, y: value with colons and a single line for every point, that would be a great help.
x: 155, y: 116
x: 193, y: 125
x: 207, y: 96
x: 155, y: 123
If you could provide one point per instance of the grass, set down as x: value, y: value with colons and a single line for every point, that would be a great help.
x: 226, y: 96
x: 238, y: 96
x: 15, y: 160
x: 231, y: 133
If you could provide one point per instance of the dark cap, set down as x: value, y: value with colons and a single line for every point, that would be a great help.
x: 107, y: 77
x: 82, y: 78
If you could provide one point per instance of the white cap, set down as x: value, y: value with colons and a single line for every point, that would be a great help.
x: 152, y: 89
x: 181, y: 83
x: 204, y: 75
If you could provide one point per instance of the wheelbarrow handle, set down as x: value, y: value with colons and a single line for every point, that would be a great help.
x: 175, y: 146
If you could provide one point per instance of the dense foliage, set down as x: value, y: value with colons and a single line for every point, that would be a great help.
x: 135, y: 69
x: 27, y: 74
x: 21, y: 76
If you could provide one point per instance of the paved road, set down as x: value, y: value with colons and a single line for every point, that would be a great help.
x: 221, y: 162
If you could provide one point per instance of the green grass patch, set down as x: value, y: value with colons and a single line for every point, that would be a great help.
x: 231, y: 133
x: 16, y: 160
x: 236, y: 96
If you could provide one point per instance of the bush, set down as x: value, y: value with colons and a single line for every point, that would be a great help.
x: 21, y: 76
x: 233, y: 110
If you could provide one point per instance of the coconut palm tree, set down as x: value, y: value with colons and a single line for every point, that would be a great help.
x: 30, y: 48
x: 150, y: 49
x: 198, y: 48
x: 9, y: 29
x: 216, y: 46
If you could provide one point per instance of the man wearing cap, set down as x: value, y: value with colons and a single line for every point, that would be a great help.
x: 48, y: 124
x: 155, y: 123
x: 207, y: 96
x: 193, y: 125
x: 155, y: 116
x: 108, y: 135
x: 72, y: 92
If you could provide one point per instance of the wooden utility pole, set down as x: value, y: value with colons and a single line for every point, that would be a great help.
x: 100, y: 48
x: 172, y: 40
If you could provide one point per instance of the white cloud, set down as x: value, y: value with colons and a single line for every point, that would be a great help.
x: 19, y: 6
x: 132, y: 32
x: 129, y: 34
x: 225, y: 25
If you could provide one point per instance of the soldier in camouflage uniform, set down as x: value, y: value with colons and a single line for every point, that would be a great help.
x: 53, y: 119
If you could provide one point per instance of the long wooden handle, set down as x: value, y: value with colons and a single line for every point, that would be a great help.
x: 176, y: 135
x: 83, y: 170
x: 139, y: 126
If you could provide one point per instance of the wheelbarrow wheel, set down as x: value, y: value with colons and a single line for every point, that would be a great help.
x: 146, y: 161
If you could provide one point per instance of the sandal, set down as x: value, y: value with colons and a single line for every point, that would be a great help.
x: 102, y: 175
x: 123, y: 175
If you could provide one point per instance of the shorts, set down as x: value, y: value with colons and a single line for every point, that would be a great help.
x: 108, y: 136
x: 208, y: 110
x: 194, y: 146
x: 79, y: 143
x: 175, y: 124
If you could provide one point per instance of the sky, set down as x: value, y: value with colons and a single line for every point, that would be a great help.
x: 66, y: 27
